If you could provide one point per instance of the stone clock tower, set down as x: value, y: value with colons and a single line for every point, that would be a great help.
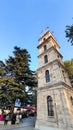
x: 54, y: 93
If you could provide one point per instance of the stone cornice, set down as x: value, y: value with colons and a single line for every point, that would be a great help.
x: 49, y: 49
x: 46, y: 40
x: 56, y: 85
x: 48, y: 64
x: 50, y: 36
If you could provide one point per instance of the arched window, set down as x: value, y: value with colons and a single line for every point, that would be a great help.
x: 45, y: 48
x: 46, y: 59
x: 47, y: 76
x: 50, y: 106
x: 44, y: 39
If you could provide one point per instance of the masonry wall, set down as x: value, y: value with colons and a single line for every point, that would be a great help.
x: 62, y: 107
x: 59, y: 87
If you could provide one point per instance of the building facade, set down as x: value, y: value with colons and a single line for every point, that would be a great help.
x: 54, y: 93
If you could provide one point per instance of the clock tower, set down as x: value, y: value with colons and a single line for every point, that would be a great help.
x: 54, y: 93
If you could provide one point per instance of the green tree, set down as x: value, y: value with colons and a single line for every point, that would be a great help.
x: 69, y: 33
x: 18, y: 67
x: 2, y: 69
x: 69, y: 67
x: 2, y: 85
x: 5, y: 93
x: 16, y: 78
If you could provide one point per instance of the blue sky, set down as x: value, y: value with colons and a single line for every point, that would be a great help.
x: 22, y: 21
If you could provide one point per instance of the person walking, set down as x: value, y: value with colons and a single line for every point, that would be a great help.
x: 20, y: 118
x: 17, y: 119
x: 6, y: 119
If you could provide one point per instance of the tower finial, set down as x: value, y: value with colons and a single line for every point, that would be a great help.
x: 43, y: 32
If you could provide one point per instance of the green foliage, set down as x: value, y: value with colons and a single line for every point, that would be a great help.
x: 2, y: 69
x: 69, y: 67
x: 16, y: 76
x: 69, y: 33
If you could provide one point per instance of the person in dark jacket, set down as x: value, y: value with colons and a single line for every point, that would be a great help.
x: 13, y: 119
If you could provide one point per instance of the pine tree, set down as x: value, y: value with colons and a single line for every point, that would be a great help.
x: 18, y: 67
x: 17, y: 80
x: 2, y: 69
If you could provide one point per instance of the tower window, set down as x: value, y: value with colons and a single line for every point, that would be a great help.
x: 47, y: 76
x: 71, y: 98
x: 46, y: 59
x: 45, y: 47
x: 50, y: 106
x: 44, y: 39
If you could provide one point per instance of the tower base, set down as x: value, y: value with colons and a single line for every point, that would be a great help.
x: 46, y: 127
x: 63, y: 108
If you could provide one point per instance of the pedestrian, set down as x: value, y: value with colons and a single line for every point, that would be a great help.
x: 20, y: 118
x: 6, y: 119
x: 13, y: 119
x: 17, y: 119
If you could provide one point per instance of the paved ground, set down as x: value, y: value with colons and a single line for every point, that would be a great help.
x: 28, y: 124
